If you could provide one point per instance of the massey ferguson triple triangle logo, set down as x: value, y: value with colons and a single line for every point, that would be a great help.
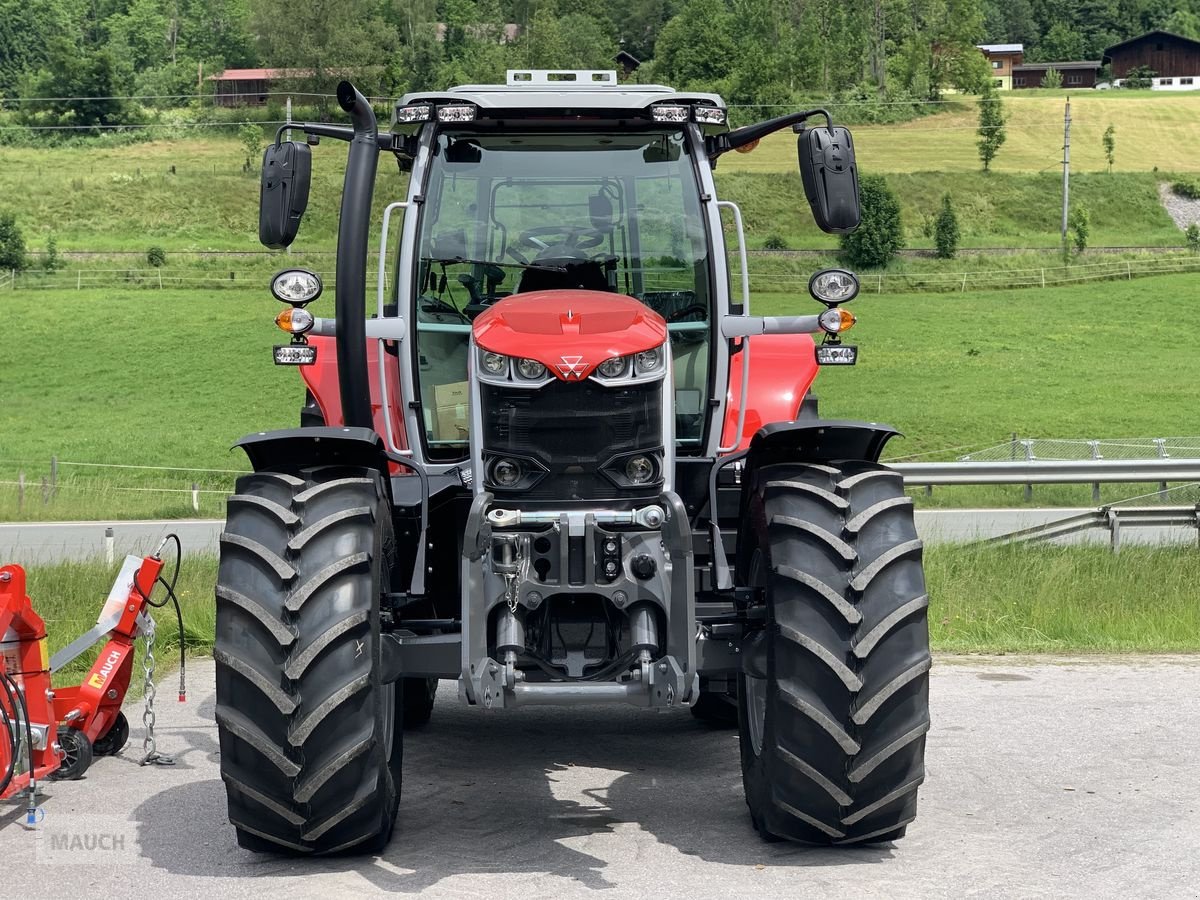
x: 571, y: 366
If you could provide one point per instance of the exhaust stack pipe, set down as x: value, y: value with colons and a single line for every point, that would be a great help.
x: 353, y: 229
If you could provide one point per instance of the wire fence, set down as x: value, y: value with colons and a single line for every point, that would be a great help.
x: 1110, y: 448
x: 760, y: 281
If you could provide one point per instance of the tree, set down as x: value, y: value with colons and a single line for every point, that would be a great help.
x: 991, y: 129
x: 696, y: 46
x: 1079, y: 225
x: 251, y: 137
x: 945, y: 231
x: 1110, y: 145
x: 1061, y: 43
x: 12, y: 243
x: 880, y: 235
x: 1052, y: 79
x: 85, y: 85
x: 52, y: 262
x: 325, y: 41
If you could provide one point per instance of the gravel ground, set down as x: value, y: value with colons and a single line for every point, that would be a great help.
x: 1183, y: 211
x: 1068, y: 778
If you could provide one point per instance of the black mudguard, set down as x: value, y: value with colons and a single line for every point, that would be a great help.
x: 321, y: 445
x: 816, y: 440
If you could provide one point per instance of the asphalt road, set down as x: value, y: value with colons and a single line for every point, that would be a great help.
x: 1062, y: 779
x: 37, y: 542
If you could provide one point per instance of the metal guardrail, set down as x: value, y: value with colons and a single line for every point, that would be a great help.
x: 1112, y: 518
x: 1078, y: 471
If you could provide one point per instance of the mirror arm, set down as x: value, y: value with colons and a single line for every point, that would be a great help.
x: 717, y: 144
x: 386, y: 140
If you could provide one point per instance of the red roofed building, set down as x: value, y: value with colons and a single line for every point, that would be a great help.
x: 250, y: 87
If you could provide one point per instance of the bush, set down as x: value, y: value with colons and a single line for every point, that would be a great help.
x: 12, y: 243
x: 52, y: 262
x: 1192, y: 236
x: 1188, y: 188
x: 157, y: 257
x: 945, y: 231
x: 1139, y: 78
x: 251, y: 137
x: 881, y: 235
x: 774, y: 242
x: 1052, y: 79
x: 1079, y: 224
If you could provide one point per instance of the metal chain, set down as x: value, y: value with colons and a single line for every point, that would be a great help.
x: 510, y: 591
x: 149, y: 746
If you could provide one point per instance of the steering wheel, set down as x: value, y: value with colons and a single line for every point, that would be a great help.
x: 567, y: 236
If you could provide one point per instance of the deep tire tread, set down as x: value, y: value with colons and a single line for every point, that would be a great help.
x: 847, y: 653
x: 301, y: 711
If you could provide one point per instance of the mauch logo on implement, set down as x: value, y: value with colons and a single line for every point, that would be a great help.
x: 571, y: 366
x: 97, y: 680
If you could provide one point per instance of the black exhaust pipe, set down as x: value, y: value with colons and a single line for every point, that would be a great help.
x: 353, y: 231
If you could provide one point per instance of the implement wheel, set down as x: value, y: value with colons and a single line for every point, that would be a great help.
x: 310, y: 736
x: 114, y: 740
x: 834, y: 703
x: 76, y: 754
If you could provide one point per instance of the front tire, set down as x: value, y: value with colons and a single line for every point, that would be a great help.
x: 834, y: 700
x: 310, y: 736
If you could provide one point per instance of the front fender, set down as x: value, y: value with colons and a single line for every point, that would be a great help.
x: 782, y: 370
x: 293, y: 448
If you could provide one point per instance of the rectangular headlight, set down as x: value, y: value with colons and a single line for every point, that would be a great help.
x: 672, y: 114
x: 418, y: 112
x: 458, y: 113
x: 709, y: 115
x: 295, y: 355
x: 836, y: 355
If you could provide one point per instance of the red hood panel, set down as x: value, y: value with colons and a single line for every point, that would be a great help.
x: 569, y: 331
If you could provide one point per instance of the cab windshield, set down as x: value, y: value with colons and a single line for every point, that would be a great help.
x: 513, y: 213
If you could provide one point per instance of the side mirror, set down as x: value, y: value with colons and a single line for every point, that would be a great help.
x: 830, y: 177
x: 283, y: 197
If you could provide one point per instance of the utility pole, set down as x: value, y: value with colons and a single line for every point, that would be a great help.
x: 1066, y: 172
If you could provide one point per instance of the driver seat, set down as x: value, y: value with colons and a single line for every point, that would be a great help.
x: 581, y: 273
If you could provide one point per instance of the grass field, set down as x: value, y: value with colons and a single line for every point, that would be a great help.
x: 173, y: 378
x: 1153, y: 131
x: 982, y: 600
x: 193, y: 195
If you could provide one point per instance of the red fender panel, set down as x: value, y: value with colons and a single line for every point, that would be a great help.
x: 782, y: 370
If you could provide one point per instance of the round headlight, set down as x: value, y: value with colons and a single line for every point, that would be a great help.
x: 613, y: 368
x: 296, y: 286
x: 648, y: 361
x: 836, y: 320
x: 506, y: 472
x: 295, y: 320
x: 531, y: 369
x: 639, y: 469
x: 495, y: 363
x: 833, y: 286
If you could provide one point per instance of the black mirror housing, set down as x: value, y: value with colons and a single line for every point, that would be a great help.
x: 830, y: 177
x: 283, y: 196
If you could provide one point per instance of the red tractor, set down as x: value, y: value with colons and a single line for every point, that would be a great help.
x: 562, y: 464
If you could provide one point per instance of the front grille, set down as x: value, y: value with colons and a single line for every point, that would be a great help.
x: 572, y: 428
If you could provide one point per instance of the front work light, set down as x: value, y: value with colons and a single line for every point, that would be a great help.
x: 531, y: 369
x: 506, y: 472
x: 639, y: 470
x: 494, y: 363
x: 673, y: 114
x: 833, y: 286
x: 464, y: 112
x: 418, y: 112
x: 709, y: 115
x: 613, y: 368
x: 296, y: 286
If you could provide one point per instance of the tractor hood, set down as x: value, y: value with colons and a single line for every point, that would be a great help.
x: 569, y: 331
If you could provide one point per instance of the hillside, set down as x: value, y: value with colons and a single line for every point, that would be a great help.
x: 1154, y: 130
x: 193, y: 194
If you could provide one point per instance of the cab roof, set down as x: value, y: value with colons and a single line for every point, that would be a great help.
x: 545, y: 90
